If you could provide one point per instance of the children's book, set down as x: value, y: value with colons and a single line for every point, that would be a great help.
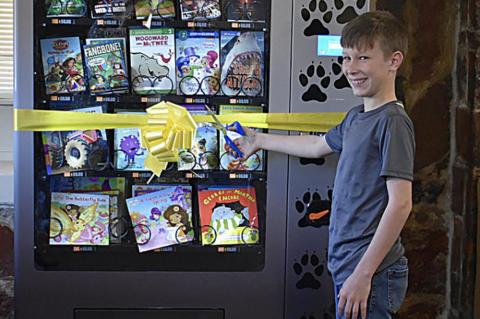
x: 62, y: 65
x: 79, y: 219
x: 245, y: 10
x: 114, y: 233
x: 109, y: 8
x: 67, y: 151
x: 66, y: 8
x: 162, y: 218
x: 199, y: 9
x: 129, y: 153
x: 152, y: 56
x: 242, y: 60
x: 106, y: 67
x: 228, y: 216
x: 159, y: 9
x: 228, y: 161
x: 140, y: 189
x: 197, y: 64
x: 204, y: 153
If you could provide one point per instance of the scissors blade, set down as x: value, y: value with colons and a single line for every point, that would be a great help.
x: 218, y: 125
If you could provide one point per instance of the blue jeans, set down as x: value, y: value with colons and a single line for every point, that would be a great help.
x: 387, y: 292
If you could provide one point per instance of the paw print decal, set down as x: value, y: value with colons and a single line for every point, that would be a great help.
x: 315, y: 210
x: 350, y: 12
x: 309, y: 270
x: 314, y: 92
x: 315, y: 26
x: 341, y: 81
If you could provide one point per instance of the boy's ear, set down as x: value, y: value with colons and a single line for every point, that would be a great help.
x: 396, y: 60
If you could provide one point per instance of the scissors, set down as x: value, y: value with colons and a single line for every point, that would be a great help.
x: 236, y: 127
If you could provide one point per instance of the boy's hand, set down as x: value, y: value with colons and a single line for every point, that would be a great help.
x: 353, y: 297
x: 247, y: 144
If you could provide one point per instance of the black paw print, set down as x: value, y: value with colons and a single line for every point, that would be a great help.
x: 314, y: 93
x: 316, y: 212
x: 341, y: 81
x: 350, y: 12
x: 316, y: 27
x: 309, y: 277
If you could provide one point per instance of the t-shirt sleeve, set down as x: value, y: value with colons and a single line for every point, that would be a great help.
x: 397, y: 148
x: 334, y: 136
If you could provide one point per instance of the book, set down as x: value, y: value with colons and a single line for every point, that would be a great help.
x: 67, y: 151
x: 62, y: 65
x: 245, y: 10
x: 122, y: 41
x: 242, y: 60
x: 105, y: 64
x: 159, y: 9
x: 152, y: 56
x: 228, y: 215
x: 228, y: 161
x: 199, y: 9
x: 162, y: 218
x: 141, y: 189
x: 64, y: 8
x: 197, y: 65
x: 79, y: 219
x: 204, y: 154
x: 109, y: 8
x: 129, y: 153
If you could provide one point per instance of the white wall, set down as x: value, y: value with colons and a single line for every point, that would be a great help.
x: 6, y: 154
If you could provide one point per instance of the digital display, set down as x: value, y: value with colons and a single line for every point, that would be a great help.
x: 329, y: 45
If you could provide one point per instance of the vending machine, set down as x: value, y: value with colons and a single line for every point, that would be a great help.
x: 98, y: 235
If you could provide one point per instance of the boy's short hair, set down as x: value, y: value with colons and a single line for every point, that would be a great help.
x: 382, y: 26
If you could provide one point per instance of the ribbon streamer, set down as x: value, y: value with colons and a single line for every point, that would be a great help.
x: 167, y: 127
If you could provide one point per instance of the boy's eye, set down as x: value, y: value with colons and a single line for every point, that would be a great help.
x: 363, y: 58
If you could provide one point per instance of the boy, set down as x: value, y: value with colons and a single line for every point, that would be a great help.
x: 373, y: 184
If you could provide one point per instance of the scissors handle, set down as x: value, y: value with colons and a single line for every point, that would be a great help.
x: 237, y: 128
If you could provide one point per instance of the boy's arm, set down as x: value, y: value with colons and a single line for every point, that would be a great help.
x: 356, y: 288
x: 309, y: 146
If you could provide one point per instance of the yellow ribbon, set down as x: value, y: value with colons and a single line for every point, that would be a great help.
x: 167, y: 127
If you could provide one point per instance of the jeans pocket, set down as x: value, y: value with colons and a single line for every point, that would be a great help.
x: 397, y: 280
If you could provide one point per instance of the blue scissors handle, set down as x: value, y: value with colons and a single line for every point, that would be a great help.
x: 237, y: 128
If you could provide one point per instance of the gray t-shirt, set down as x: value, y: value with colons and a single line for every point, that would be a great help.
x: 373, y: 145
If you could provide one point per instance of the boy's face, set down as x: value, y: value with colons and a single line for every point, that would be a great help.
x: 369, y: 72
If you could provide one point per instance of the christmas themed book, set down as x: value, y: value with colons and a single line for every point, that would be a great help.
x: 129, y: 153
x: 109, y: 8
x: 162, y: 218
x: 199, y: 10
x: 158, y: 9
x: 62, y: 65
x: 245, y: 10
x: 228, y: 216
x: 242, y: 60
x: 152, y: 56
x: 64, y: 8
x: 79, y: 219
x: 197, y: 62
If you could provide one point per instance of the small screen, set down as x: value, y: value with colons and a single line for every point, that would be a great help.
x: 329, y: 45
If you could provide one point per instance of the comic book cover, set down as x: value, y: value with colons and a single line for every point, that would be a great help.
x: 67, y: 151
x: 152, y: 56
x: 108, y: 40
x: 62, y: 65
x: 242, y: 60
x: 162, y: 218
x: 204, y: 154
x: 159, y: 9
x: 64, y: 8
x: 109, y: 8
x: 129, y: 153
x: 197, y: 62
x: 199, y: 9
x: 79, y: 219
x: 245, y: 10
x: 228, y: 216
x: 141, y: 189
x: 227, y: 160
x: 106, y: 67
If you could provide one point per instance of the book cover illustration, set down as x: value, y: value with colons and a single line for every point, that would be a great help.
x: 66, y: 8
x: 67, y: 151
x: 162, y: 218
x: 62, y: 65
x: 159, y: 9
x: 140, y: 189
x: 204, y: 154
x: 152, y: 56
x: 227, y: 160
x: 129, y: 153
x: 109, y: 8
x: 79, y: 219
x: 122, y: 41
x: 242, y: 60
x: 228, y: 216
x: 106, y: 67
x: 245, y: 10
x: 200, y: 9
x: 197, y: 62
